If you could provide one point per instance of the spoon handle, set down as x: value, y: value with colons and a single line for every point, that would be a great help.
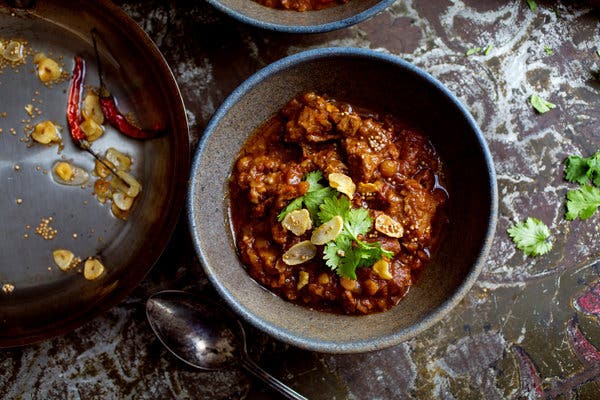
x: 270, y: 380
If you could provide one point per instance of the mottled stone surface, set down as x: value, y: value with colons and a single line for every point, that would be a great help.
x: 528, y: 329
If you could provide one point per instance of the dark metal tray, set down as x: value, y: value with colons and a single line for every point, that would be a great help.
x: 47, y: 301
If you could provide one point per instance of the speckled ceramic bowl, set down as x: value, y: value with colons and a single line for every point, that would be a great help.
x: 377, y: 81
x: 337, y: 17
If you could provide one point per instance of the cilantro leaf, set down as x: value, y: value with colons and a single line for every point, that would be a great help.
x: 582, y: 202
x: 313, y: 179
x: 532, y: 5
x: 348, y: 265
x: 531, y: 236
x: 312, y: 200
x: 540, y: 105
x: 370, y: 253
x: 346, y: 252
x: 473, y: 50
x: 576, y: 169
x: 333, y: 206
x: 341, y: 256
x: 336, y: 250
x: 358, y: 222
x: 548, y: 50
x: 582, y: 170
x: 488, y: 49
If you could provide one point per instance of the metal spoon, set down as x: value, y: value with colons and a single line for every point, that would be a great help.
x: 204, y: 335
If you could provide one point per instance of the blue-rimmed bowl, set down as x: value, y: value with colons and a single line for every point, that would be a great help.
x: 329, y: 19
x: 375, y: 81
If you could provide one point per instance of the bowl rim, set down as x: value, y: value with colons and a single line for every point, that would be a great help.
x: 362, y: 345
x: 320, y: 28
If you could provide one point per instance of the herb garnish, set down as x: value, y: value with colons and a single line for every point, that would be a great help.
x: 532, y: 5
x: 347, y: 252
x: 548, y: 50
x: 313, y: 197
x: 540, y: 105
x: 531, y: 236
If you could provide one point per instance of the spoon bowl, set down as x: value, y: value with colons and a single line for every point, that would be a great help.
x: 200, y: 334
x: 204, y: 335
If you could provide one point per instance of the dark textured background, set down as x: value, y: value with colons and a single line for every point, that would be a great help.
x: 528, y: 329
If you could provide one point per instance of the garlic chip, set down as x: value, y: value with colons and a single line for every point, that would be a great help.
x: 297, y: 221
x: 300, y: 253
x: 327, y: 231
x: 92, y: 269
x: 63, y: 259
x: 388, y: 226
x: 342, y: 183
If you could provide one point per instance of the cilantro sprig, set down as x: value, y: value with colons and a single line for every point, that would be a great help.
x: 347, y: 252
x: 531, y: 236
x: 312, y: 199
x: 584, y: 201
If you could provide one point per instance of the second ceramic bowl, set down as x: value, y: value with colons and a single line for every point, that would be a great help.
x: 329, y: 19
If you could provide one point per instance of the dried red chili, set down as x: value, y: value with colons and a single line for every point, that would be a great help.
x: 118, y: 120
x: 112, y: 113
x: 73, y: 118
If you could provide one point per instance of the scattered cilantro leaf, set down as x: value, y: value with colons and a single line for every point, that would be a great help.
x: 532, y: 5
x: 473, y: 50
x: 531, y: 236
x: 540, y: 105
x: 583, y: 169
x: 488, y: 49
x: 548, y: 50
x: 582, y: 202
x: 598, y: 52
